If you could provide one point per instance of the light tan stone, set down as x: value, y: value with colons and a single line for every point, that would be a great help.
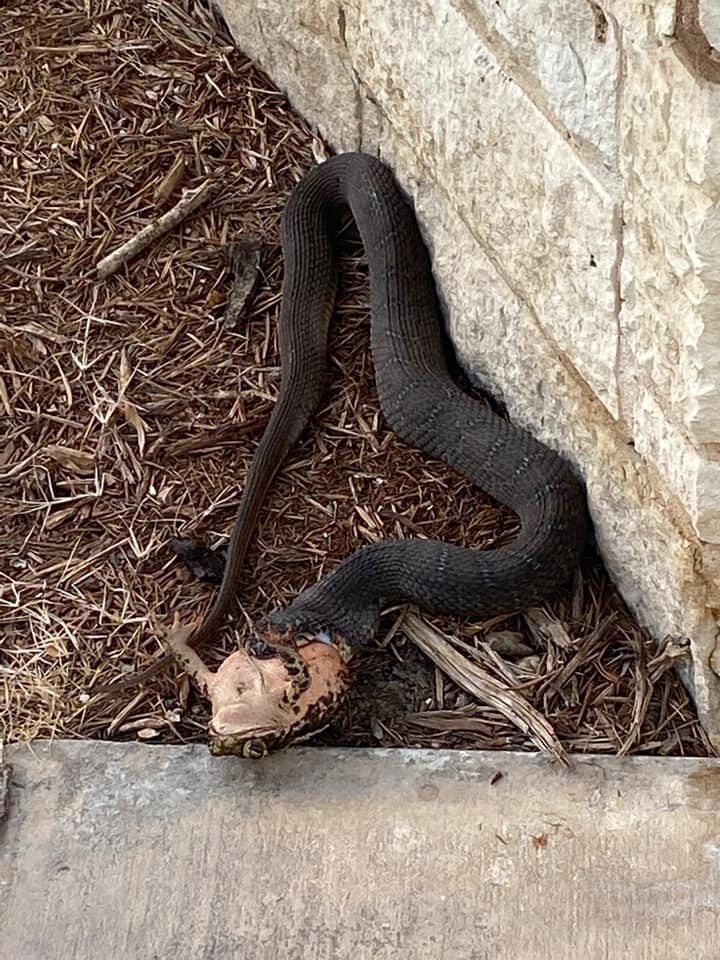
x: 518, y: 185
x: 670, y: 323
x: 709, y: 18
x: 564, y: 58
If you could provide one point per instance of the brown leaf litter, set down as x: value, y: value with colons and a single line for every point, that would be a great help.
x: 131, y: 410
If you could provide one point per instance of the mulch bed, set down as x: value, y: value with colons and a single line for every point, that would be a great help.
x: 131, y: 413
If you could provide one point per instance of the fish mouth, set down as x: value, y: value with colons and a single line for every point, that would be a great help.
x: 240, y: 745
x: 253, y: 733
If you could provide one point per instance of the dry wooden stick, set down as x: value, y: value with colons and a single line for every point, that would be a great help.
x: 20, y: 256
x: 190, y: 201
x: 5, y: 774
x: 244, y: 261
x: 480, y: 684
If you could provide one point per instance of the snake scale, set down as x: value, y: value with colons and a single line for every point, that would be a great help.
x: 422, y: 405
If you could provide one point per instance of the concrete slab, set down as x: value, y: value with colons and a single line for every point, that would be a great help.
x: 164, y: 852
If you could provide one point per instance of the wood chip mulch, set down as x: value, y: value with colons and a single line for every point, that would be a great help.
x: 131, y: 410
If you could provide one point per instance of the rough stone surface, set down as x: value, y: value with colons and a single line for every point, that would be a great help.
x: 670, y: 322
x: 709, y: 16
x: 564, y: 57
x: 541, y: 228
x: 695, y: 478
x: 126, y: 850
x: 563, y: 160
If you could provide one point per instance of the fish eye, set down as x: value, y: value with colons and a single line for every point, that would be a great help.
x: 261, y: 650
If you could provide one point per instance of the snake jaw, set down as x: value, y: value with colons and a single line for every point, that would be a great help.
x: 263, y: 703
x: 298, y: 632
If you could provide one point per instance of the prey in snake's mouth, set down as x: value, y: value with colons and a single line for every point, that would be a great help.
x: 280, y: 686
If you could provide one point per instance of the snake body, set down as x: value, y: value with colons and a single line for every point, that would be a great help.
x: 422, y: 405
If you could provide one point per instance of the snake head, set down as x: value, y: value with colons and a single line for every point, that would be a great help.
x: 281, y: 686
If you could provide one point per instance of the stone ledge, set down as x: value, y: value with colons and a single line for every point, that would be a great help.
x: 136, y: 851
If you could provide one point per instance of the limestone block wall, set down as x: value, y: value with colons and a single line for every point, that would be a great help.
x: 564, y: 161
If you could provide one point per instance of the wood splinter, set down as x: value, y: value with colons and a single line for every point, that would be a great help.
x: 244, y: 262
x: 187, y: 204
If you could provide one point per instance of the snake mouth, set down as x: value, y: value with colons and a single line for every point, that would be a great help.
x: 331, y: 638
x: 322, y: 636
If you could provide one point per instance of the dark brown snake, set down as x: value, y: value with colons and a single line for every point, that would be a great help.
x: 423, y: 406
